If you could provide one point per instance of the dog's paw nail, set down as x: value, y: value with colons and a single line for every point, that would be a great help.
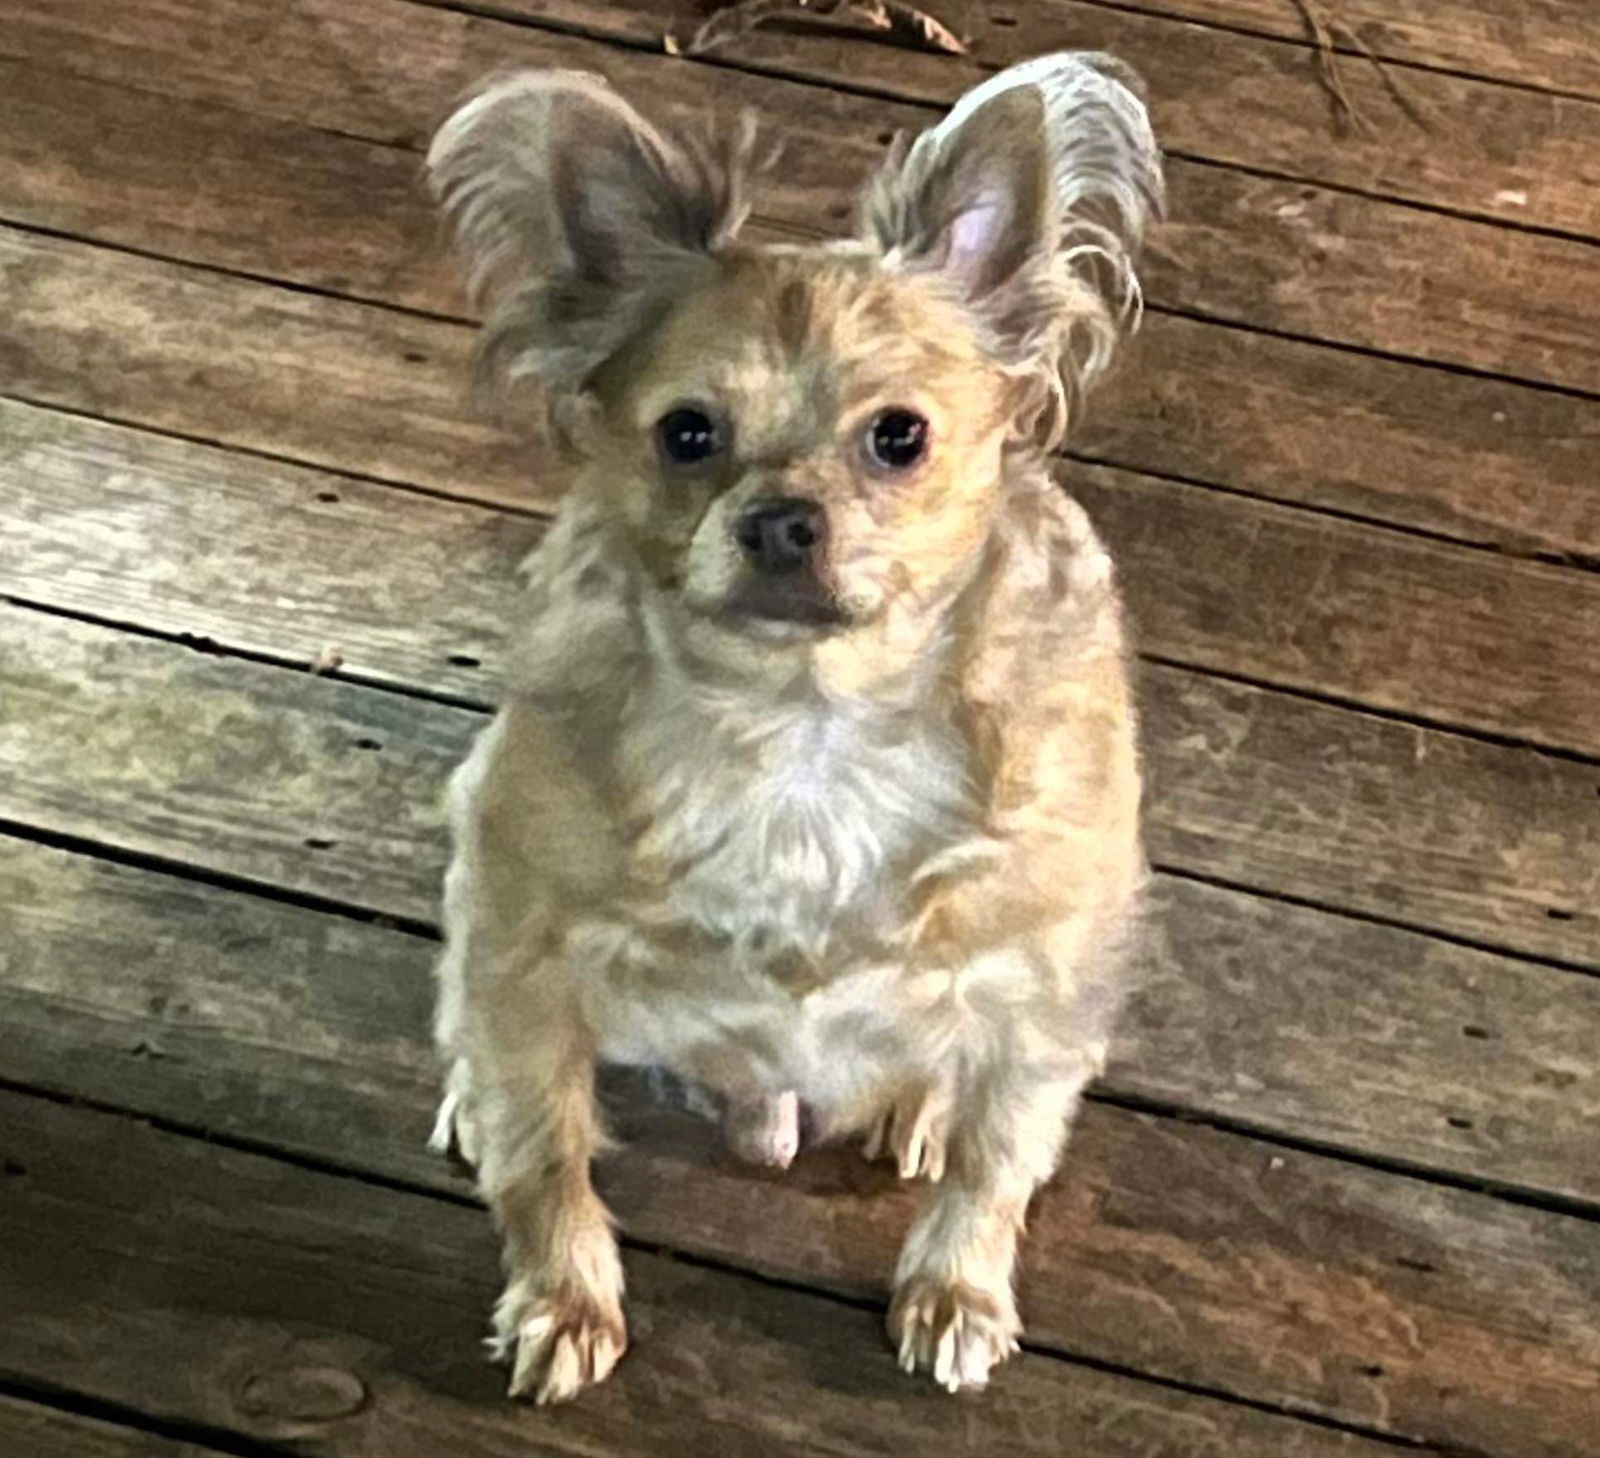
x: 952, y: 1330
x: 562, y: 1345
x: 912, y: 1133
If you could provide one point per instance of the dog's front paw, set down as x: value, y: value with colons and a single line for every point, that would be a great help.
x: 765, y: 1131
x: 559, y: 1341
x: 953, y: 1329
x: 913, y: 1131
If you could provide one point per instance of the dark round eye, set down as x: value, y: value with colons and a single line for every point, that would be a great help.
x: 688, y: 435
x: 898, y: 439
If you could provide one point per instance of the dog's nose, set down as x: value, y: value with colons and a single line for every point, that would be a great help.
x: 781, y: 536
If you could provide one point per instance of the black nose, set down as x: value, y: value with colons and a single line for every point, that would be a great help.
x: 781, y: 536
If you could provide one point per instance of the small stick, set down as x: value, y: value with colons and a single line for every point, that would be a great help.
x: 745, y: 16
x: 1392, y: 86
x: 1328, y: 64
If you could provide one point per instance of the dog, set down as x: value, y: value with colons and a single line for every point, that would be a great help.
x: 816, y: 778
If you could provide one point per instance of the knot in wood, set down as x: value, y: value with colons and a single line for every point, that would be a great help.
x: 301, y: 1394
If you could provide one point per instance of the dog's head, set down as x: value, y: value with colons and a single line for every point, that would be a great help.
x: 797, y: 437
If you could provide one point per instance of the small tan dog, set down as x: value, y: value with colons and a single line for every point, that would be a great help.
x: 816, y: 776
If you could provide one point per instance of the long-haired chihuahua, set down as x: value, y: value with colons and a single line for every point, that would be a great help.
x: 815, y: 780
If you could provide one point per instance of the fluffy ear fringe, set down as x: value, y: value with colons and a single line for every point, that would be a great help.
x: 1080, y: 294
x: 578, y: 219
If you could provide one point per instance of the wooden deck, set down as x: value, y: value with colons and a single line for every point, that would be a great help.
x: 1339, y: 1195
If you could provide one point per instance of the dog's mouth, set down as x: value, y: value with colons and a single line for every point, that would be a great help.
x: 801, y: 602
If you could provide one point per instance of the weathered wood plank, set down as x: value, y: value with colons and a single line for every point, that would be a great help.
x: 142, y: 746
x: 1476, y: 458
x: 1375, y: 816
x: 1345, y: 268
x: 1487, y: 842
x: 223, y: 187
x: 1269, y: 592
x: 108, y: 522
x: 1480, y: 460
x: 288, y: 1305
x: 258, y: 555
x: 1554, y: 44
x: 1277, y: 254
x: 373, y: 391
x: 30, y: 1430
x: 1215, y: 94
x: 1345, y: 610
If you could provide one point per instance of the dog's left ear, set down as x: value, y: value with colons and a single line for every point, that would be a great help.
x: 1030, y: 200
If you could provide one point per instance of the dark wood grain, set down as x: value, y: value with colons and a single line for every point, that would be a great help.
x: 143, y: 746
x: 1488, y: 842
x: 30, y: 1430
x: 299, y: 1307
x: 1271, y: 593
x: 1239, y: 587
x: 1217, y: 94
x: 1490, y: 150
x: 1550, y: 44
x: 1182, y: 1251
x: 1286, y: 255
x: 1480, y: 459
x: 374, y: 391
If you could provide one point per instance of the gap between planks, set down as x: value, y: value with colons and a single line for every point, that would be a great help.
x: 785, y: 56
x: 1507, y: 1192
x: 402, y: 870
x: 412, y: 1253
x: 1565, y: 554
x: 70, y: 1402
x: 60, y: 1422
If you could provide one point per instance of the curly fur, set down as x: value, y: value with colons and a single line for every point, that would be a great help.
x: 883, y: 861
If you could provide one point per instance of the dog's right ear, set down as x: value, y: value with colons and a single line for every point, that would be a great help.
x: 578, y: 219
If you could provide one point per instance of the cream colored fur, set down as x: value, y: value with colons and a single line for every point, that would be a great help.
x: 884, y: 868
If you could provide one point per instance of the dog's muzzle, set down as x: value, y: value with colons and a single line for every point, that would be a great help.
x: 784, y: 543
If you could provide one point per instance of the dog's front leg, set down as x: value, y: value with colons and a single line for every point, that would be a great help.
x: 537, y: 1128
x: 954, y: 1312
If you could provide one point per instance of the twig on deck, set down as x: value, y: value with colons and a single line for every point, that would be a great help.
x: 1325, y: 31
x: 1328, y: 71
x: 1396, y: 91
x: 744, y: 16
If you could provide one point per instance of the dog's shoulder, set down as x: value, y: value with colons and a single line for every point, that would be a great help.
x: 574, y: 633
x: 1046, y: 615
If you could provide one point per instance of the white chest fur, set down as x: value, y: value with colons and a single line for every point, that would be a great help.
x: 780, y: 822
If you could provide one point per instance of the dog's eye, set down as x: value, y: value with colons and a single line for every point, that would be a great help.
x: 898, y: 439
x: 688, y: 436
